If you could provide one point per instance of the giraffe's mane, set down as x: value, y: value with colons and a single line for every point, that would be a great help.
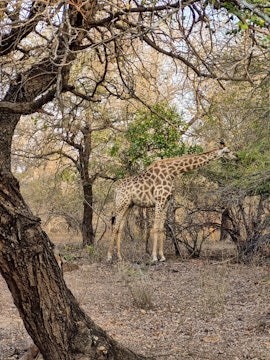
x: 180, y: 158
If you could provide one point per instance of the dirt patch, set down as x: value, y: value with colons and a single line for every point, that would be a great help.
x: 175, y: 310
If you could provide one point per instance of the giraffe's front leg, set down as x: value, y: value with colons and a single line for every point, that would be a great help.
x: 157, y: 252
x: 153, y: 236
x: 162, y: 232
x: 158, y: 232
x: 161, y: 245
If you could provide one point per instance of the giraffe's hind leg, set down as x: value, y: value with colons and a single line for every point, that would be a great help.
x: 113, y: 235
x: 116, y: 234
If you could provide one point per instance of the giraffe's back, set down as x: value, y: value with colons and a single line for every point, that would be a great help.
x: 142, y: 190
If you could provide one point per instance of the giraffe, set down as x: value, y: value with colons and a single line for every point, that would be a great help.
x: 153, y: 188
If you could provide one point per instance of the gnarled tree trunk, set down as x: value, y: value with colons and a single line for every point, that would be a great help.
x: 51, y: 314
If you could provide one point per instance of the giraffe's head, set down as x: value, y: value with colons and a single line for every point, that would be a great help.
x: 225, y: 152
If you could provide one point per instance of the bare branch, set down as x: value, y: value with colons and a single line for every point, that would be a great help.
x: 25, y: 108
x: 10, y: 40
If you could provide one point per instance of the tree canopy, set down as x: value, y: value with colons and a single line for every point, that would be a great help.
x: 153, y: 134
x: 42, y: 39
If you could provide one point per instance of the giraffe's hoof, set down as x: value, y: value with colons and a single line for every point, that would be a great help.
x: 154, y: 261
x: 162, y: 258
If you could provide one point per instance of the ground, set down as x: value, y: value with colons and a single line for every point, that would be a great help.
x: 182, y: 309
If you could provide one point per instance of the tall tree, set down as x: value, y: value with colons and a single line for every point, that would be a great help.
x: 40, y: 42
x: 82, y: 146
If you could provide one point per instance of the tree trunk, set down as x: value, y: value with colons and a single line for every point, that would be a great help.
x: 225, y: 225
x: 84, y: 156
x: 8, y: 124
x: 87, y: 223
x: 51, y: 314
x: 170, y: 225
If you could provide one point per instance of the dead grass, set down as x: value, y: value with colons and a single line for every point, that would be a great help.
x: 136, y: 279
x: 210, y: 308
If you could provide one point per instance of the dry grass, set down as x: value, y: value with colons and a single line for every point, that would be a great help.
x: 136, y: 279
x: 210, y: 308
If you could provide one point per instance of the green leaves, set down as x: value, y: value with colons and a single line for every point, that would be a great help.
x: 155, y: 134
x: 254, y: 174
x: 253, y: 15
x: 242, y: 26
x: 152, y: 135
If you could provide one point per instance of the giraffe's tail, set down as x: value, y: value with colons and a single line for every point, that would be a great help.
x: 113, y: 219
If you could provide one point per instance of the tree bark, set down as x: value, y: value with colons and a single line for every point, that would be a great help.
x: 225, y: 225
x: 8, y: 124
x: 87, y: 183
x: 51, y: 314
x: 87, y: 222
x: 170, y: 225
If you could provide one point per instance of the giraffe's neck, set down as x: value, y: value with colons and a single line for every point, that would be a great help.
x: 177, y: 166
